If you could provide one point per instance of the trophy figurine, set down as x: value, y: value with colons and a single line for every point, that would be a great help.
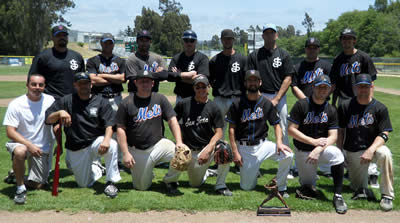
x: 269, y: 210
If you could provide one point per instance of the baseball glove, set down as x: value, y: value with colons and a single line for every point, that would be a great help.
x: 307, y: 192
x: 223, y: 153
x: 182, y: 158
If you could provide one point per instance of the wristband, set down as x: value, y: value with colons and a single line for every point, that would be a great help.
x: 384, y: 136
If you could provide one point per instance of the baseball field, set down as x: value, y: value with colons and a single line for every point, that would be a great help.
x: 74, y: 199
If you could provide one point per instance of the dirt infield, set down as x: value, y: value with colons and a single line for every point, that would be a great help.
x: 200, y: 217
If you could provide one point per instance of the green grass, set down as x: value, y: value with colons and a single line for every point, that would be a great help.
x: 11, y: 70
x: 12, y: 89
x: 388, y: 82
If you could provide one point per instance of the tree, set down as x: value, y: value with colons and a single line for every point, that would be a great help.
x: 215, y: 42
x: 166, y: 6
x: 308, y: 24
x: 380, y: 5
x: 25, y: 24
x: 151, y: 21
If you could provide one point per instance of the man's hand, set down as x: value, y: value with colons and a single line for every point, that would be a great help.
x: 179, y: 144
x: 159, y: 69
x: 189, y: 75
x: 103, y: 148
x: 366, y: 157
x: 237, y: 158
x: 128, y: 160
x: 274, y: 102
x: 204, y: 155
x: 320, y: 142
x: 174, y: 69
x: 314, y: 155
x: 280, y: 147
x: 34, y: 150
x: 65, y: 118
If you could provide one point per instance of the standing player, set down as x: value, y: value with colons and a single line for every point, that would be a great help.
x: 365, y: 127
x: 140, y: 134
x: 186, y: 61
x: 88, y: 120
x: 314, y: 126
x: 201, y: 124
x: 248, y: 131
x: 30, y: 138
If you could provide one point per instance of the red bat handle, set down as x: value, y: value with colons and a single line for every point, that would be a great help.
x: 57, y: 165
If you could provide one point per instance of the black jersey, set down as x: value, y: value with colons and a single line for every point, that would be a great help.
x: 197, y: 62
x: 143, y: 119
x: 90, y: 118
x: 102, y: 65
x: 250, y: 118
x: 363, y: 123
x: 314, y: 120
x: 227, y: 74
x: 273, y: 65
x: 137, y: 62
x: 198, y: 122
x: 58, y: 69
x: 345, y: 69
x: 306, y: 72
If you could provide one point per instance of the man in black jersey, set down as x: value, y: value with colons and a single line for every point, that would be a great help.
x: 88, y: 120
x: 365, y: 127
x: 201, y: 123
x: 314, y: 126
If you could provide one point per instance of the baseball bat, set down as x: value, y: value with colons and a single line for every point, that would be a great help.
x: 57, y: 165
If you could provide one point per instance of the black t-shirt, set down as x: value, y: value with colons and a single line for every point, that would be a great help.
x: 250, y: 118
x: 58, y: 69
x: 143, y: 119
x: 345, y: 69
x: 314, y: 120
x: 197, y: 62
x: 102, y: 65
x: 363, y: 123
x: 306, y: 72
x: 227, y: 74
x: 198, y: 122
x: 273, y: 65
x: 90, y: 119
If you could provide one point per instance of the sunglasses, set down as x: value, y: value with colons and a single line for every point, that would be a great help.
x: 198, y: 88
x: 189, y: 40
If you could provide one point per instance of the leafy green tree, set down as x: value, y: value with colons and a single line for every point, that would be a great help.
x: 215, y: 42
x: 308, y: 23
x: 173, y: 26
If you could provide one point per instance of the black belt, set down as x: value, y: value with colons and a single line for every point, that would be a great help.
x: 268, y: 92
x: 110, y: 95
x: 253, y: 143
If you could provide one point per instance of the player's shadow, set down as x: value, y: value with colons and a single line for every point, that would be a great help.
x: 63, y: 173
x: 8, y: 191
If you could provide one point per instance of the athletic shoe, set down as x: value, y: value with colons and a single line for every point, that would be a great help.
x: 338, y: 203
x: 225, y: 192
x: 211, y: 173
x: 172, y: 189
x: 110, y: 190
x: 386, y: 203
x: 364, y: 193
x: 20, y: 197
x: 10, y: 178
x: 284, y: 194
x: 373, y: 181
x: 307, y: 192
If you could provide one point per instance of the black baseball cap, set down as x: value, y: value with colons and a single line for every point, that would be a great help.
x: 363, y: 79
x: 322, y: 79
x: 107, y: 36
x: 144, y: 74
x: 81, y: 76
x: 201, y: 79
x: 251, y: 73
x: 143, y: 34
x: 348, y: 32
x: 59, y: 29
x: 189, y: 34
x: 312, y: 41
x: 227, y: 33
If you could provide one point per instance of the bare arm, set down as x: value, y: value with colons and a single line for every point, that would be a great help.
x: 367, y: 156
x: 279, y: 143
x: 282, y: 91
x: 298, y: 93
x: 176, y: 130
x: 62, y: 116
x: 17, y: 137
x: 128, y: 159
x: 113, y: 78
x: 207, y: 151
x: 105, y: 145
x: 294, y: 131
x: 237, y: 158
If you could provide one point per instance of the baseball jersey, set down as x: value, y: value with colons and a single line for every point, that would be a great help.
x: 137, y: 62
x: 345, y: 69
x: 314, y: 120
x: 58, y: 69
x: 102, y: 65
x: 227, y: 74
x: 274, y: 66
x: 143, y: 119
x: 198, y: 121
x: 197, y: 62
x: 28, y: 118
x: 306, y: 72
x: 363, y: 123
x: 250, y: 118
x: 90, y: 118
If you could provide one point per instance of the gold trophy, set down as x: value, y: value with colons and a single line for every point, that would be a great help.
x: 269, y: 210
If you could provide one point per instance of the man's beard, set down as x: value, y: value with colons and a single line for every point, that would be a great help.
x: 253, y: 89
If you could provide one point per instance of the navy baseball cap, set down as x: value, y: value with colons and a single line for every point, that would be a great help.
x: 322, y: 79
x: 189, y: 34
x: 251, y: 73
x: 227, y: 33
x: 143, y: 34
x: 348, y: 32
x: 144, y: 74
x: 107, y: 36
x: 270, y: 26
x: 81, y: 76
x: 363, y: 79
x: 312, y: 41
x: 59, y: 29
x: 201, y: 79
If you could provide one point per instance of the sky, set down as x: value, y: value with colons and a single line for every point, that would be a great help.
x: 209, y: 17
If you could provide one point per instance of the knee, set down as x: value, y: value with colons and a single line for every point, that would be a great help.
x: 20, y: 153
x: 113, y: 146
x: 384, y: 153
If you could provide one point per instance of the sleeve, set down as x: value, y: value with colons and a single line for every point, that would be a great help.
x: 82, y: 62
x: 295, y: 78
x: 34, y: 69
x: 273, y: 117
x: 122, y: 66
x: 327, y: 68
x: 371, y: 67
x: 162, y: 63
x: 203, y: 66
x: 178, y: 110
x: 130, y: 68
x: 334, y: 72
x: 166, y: 75
x: 333, y: 122
x: 11, y: 118
x: 107, y: 113
x: 384, y: 120
x: 91, y: 66
x: 56, y: 106
x: 296, y: 114
x: 166, y: 108
x: 172, y: 63
x: 211, y: 67
x: 217, y: 119
x: 233, y: 113
x: 288, y: 67
x: 251, y: 63
x: 121, y: 115
x: 342, y: 116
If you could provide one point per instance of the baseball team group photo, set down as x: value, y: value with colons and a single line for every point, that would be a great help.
x: 245, y: 128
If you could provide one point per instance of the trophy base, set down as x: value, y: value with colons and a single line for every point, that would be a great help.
x: 273, y: 211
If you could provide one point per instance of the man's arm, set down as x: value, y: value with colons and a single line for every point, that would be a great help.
x: 62, y: 116
x: 367, y: 156
x: 176, y: 130
x: 280, y: 147
x: 298, y: 93
x: 294, y: 131
x: 113, y: 78
x: 314, y: 155
x: 17, y: 137
x: 282, y: 91
x: 340, y: 138
x: 128, y: 159
x: 237, y: 158
x: 207, y: 151
x: 105, y: 145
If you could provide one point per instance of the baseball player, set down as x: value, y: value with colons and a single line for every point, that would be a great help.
x: 186, y: 61
x: 248, y: 131
x: 140, y: 134
x: 201, y: 123
x: 314, y: 126
x: 30, y: 138
x: 88, y: 120
x: 364, y: 129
